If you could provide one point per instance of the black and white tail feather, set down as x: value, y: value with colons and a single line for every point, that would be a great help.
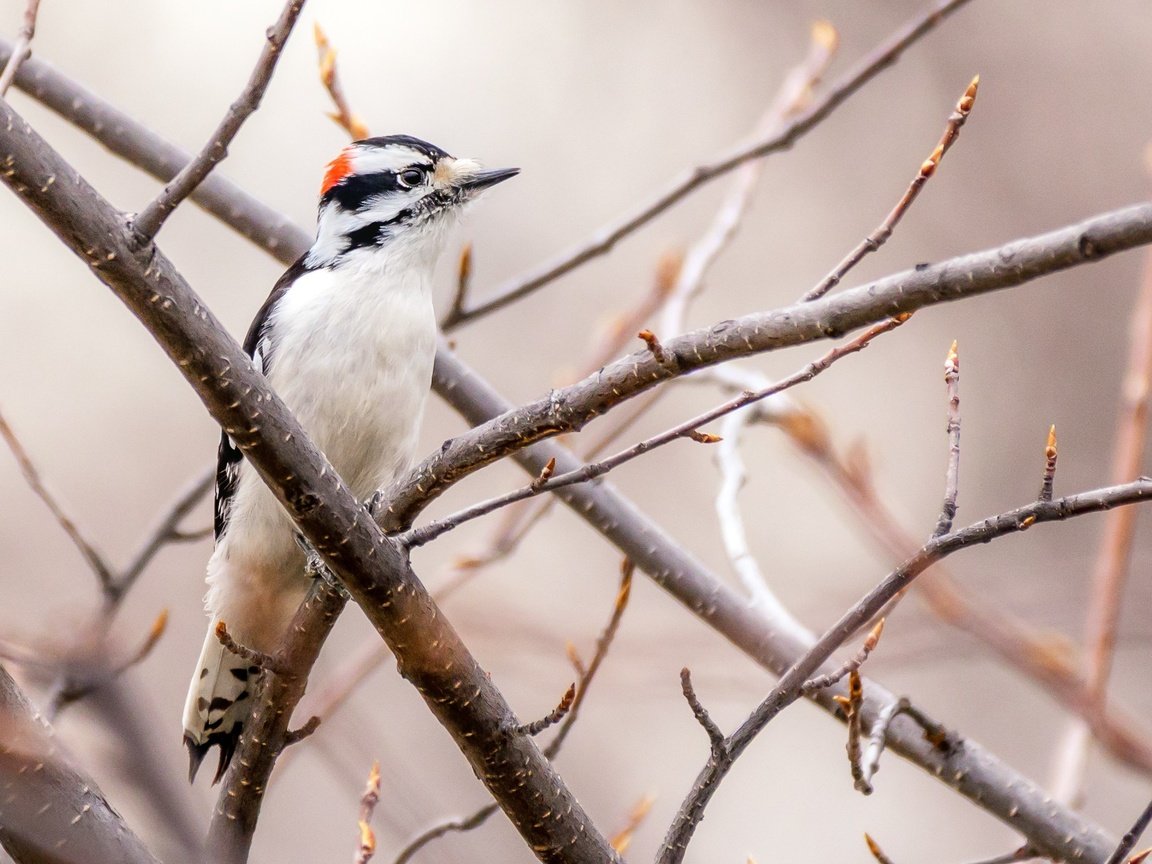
x: 346, y: 339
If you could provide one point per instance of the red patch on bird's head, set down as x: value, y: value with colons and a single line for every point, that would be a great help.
x: 338, y: 169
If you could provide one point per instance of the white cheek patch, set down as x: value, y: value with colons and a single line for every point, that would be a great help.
x: 384, y: 208
x: 386, y: 159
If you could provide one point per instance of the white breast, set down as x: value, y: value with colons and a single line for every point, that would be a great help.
x: 351, y: 353
x: 352, y: 358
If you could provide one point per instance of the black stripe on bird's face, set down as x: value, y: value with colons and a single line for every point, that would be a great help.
x: 359, y: 191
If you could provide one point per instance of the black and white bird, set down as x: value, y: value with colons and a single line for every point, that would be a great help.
x: 346, y: 339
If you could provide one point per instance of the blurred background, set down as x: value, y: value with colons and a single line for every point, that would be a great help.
x: 600, y: 104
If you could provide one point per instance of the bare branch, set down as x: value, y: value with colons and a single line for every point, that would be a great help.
x: 1034, y: 653
x: 852, y: 705
x: 934, y: 734
x: 343, y: 117
x: 952, y: 476
x: 1050, y: 456
x: 1132, y: 837
x: 154, y: 215
x: 554, y: 716
x: 256, y: 658
x: 622, y: 839
x: 687, y: 429
x: 876, y: 851
x: 463, y: 282
x: 368, y: 803
x: 880, y: 236
x: 53, y: 813
x: 166, y: 530
x: 96, y: 560
x: 716, y: 740
x: 852, y: 665
x: 22, y: 50
x: 883, y: 56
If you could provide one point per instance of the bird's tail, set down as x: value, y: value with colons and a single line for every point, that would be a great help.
x: 219, y: 700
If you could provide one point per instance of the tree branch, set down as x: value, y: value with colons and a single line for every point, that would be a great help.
x: 880, y: 236
x: 153, y: 216
x: 53, y: 813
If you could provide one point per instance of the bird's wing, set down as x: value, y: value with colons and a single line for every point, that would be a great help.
x: 258, y: 346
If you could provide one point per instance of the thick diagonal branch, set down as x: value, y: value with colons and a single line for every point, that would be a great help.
x: 52, y: 813
x: 373, y: 568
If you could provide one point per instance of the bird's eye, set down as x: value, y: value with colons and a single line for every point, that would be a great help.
x: 410, y: 178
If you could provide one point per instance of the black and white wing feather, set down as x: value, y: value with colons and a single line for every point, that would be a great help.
x: 258, y: 346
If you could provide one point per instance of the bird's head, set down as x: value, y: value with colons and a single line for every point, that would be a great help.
x: 393, y: 192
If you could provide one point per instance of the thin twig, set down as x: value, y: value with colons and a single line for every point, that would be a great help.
x: 553, y: 717
x: 622, y: 839
x: 715, y: 737
x: 877, y: 738
x: 794, y: 95
x: 1051, y: 454
x: 95, y: 559
x: 880, y: 236
x: 420, y: 536
x: 166, y: 530
x: 257, y: 658
x: 876, y: 851
x: 183, y: 184
x: 1130, y: 839
x: 876, y: 61
x: 367, y: 846
x: 853, y: 705
x: 22, y: 48
x: 934, y: 734
x: 343, y: 116
x: 851, y: 665
x: 952, y: 476
x: 463, y: 281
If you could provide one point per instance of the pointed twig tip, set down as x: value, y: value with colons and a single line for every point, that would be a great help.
x: 874, y: 637
x: 825, y: 35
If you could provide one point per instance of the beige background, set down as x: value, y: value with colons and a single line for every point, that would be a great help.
x: 600, y: 104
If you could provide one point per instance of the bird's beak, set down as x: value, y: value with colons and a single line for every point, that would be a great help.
x: 484, y: 179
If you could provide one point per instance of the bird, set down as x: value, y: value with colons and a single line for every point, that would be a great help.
x: 346, y: 339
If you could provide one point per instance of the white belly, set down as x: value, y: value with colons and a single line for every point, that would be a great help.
x: 352, y: 358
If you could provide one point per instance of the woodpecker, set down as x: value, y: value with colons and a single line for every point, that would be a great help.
x: 346, y: 338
